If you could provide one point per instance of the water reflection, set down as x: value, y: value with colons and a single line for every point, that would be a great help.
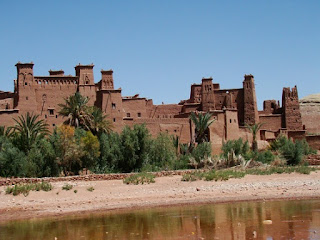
x: 290, y: 220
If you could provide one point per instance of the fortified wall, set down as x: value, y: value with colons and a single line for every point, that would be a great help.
x: 232, y: 109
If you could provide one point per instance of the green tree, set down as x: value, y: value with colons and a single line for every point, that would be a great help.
x: 162, y: 153
x: 91, y: 147
x: 27, y: 130
x: 76, y: 110
x: 134, y: 146
x: 201, y: 123
x: 68, y: 150
x: 254, y: 129
x: 6, y: 132
x: 111, y: 153
x: 13, y: 162
x: 98, y: 123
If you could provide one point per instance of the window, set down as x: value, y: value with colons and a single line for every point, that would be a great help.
x: 53, y: 125
x: 56, y: 116
x: 45, y: 116
x: 114, y: 120
x: 139, y: 114
x: 128, y: 114
x: 51, y: 112
x: 230, y: 121
x: 27, y: 98
x: 25, y: 83
x: 113, y: 106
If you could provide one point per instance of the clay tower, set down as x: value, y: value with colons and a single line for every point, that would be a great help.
x: 251, y: 115
x: 207, y: 95
x: 291, y: 116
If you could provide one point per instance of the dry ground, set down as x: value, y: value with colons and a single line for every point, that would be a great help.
x: 166, y: 191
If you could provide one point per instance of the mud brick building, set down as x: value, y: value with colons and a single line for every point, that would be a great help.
x: 231, y: 108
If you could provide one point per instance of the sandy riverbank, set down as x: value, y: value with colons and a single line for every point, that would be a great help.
x: 166, y: 191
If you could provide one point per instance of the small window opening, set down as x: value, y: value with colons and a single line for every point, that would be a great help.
x: 27, y: 98
x: 114, y: 120
x: 128, y: 114
x: 51, y: 111
x: 25, y: 83
x: 230, y: 121
x: 45, y: 116
x: 53, y: 125
x: 113, y: 106
x: 139, y: 114
x: 56, y: 116
x: 87, y: 82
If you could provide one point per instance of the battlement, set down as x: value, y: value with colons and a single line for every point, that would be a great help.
x: 290, y: 93
x: 56, y: 72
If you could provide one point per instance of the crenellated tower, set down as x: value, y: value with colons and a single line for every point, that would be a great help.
x: 107, y: 80
x: 291, y: 116
x: 251, y: 115
x: 86, y: 84
x: 207, y: 95
x: 26, y: 99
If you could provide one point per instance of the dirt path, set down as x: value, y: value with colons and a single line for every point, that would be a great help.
x: 166, y: 191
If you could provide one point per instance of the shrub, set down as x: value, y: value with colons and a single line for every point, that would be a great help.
x: 236, y: 146
x: 201, y: 151
x: 67, y: 187
x: 139, y: 178
x: 293, y: 152
x: 265, y: 157
x: 90, y: 189
x: 26, y: 188
x: 190, y: 177
x: 162, y: 153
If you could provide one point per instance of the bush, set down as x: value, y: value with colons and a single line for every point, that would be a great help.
x: 139, y: 178
x: 236, y: 146
x: 265, y: 157
x: 26, y: 188
x: 67, y: 187
x: 202, y: 151
x: 293, y: 152
x: 162, y: 154
x: 90, y: 189
x: 134, y: 148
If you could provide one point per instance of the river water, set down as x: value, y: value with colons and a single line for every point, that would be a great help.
x: 244, y: 220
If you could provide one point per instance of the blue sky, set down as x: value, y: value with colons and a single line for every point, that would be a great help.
x: 159, y: 48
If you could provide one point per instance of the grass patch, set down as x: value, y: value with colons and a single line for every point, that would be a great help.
x: 223, y: 175
x: 190, y: 177
x: 67, y: 187
x: 26, y: 188
x: 140, y: 178
x: 90, y: 189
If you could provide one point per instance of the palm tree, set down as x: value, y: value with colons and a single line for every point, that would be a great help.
x: 5, y: 132
x: 254, y: 129
x: 28, y: 130
x: 97, y: 122
x: 201, y: 123
x: 76, y: 110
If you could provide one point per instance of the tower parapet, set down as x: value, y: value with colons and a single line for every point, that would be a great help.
x: 107, y: 80
x: 251, y: 115
x: 207, y: 95
x: 291, y: 116
x: 25, y: 73
x: 85, y: 74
